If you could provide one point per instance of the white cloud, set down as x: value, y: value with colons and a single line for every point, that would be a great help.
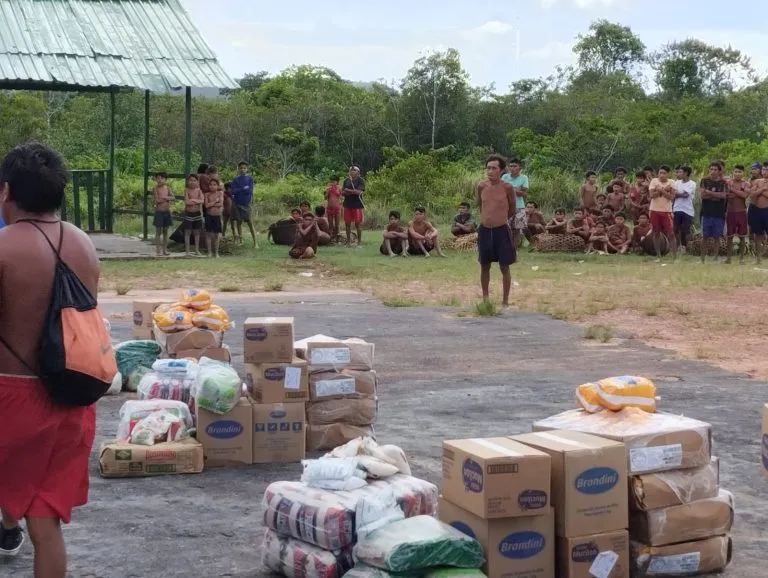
x: 494, y: 27
x: 583, y: 4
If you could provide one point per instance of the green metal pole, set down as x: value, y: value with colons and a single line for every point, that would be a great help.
x: 188, y: 131
x: 111, y: 181
x: 146, y: 164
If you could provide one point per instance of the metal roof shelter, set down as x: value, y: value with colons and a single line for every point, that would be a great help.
x: 107, y: 46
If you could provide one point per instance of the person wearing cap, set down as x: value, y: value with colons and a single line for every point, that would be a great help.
x: 352, y: 190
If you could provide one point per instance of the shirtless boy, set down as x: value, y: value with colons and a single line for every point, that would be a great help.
x: 162, y: 221
x: 579, y: 225
x: 305, y: 244
x: 759, y: 197
x: 597, y: 210
x: 558, y: 225
x: 598, y: 240
x: 736, y: 212
x: 395, y: 237
x: 617, y: 199
x: 607, y: 218
x: 214, y: 206
x: 618, y: 236
x: 588, y: 191
x: 639, y: 232
x: 536, y: 222
x: 463, y: 223
x: 639, y: 198
x: 324, y: 237
x: 497, y: 204
x: 620, y: 178
x: 45, y: 448
x: 193, y: 213
x: 333, y: 205
x: 422, y: 235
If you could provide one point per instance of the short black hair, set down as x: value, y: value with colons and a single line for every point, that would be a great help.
x: 687, y: 170
x: 162, y: 174
x: 620, y: 170
x: 464, y: 204
x: 648, y: 168
x: 590, y: 174
x: 395, y: 214
x: 607, y: 208
x: 295, y: 211
x: 580, y: 208
x: 535, y: 205
x: 304, y: 202
x: 192, y: 176
x: 419, y: 209
x: 201, y: 168
x: 320, y: 211
x: 242, y: 163
x: 640, y: 175
x: 36, y: 177
x: 765, y: 164
x: 211, y: 169
x: 514, y: 161
x: 622, y: 215
x: 307, y: 214
x: 214, y: 180
x: 498, y: 158
x: 334, y: 178
x: 664, y: 168
x: 740, y: 167
x: 227, y: 185
x: 560, y: 210
x: 601, y: 195
x: 641, y: 215
x: 714, y: 164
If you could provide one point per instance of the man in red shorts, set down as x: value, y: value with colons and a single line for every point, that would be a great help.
x: 44, y: 448
x: 662, y: 192
x: 353, y: 189
x: 736, y: 213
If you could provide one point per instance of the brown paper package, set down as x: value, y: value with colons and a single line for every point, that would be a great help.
x: 664, y: 489
x: 358, y: 412
x: 701, y: 558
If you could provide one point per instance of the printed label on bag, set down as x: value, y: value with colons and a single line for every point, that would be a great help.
x: 330, y: 356
x: 682, y: 564
x: 603, y: 564
x: 292, y: 378
x: 335, y: 387
x: 646, y: 459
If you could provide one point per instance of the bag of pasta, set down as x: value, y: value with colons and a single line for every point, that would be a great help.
x: 617, y: 393
x: 198, y: 299
x: 173, y: 321
x: 213, y: 318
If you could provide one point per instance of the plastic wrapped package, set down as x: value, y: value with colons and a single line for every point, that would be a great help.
x: 166, y: 307
x: 132, y: 381
x: 617, y: 393
x: 133, y: 354
x: 347, y: 383
x: 296, y: 559
x: 363, y: 571
x: 365, y: 447
x: 663, y: 489
x: 684, y: 523
x: 157, y: 386
x: 133, y: 411
x: 324, y: 353
x: 328, y: 437
x: 358, y: 412
x: 173, y: 321
x: 330, y: 519
x: 213, y: 318
x: 333, y: 474
x: 418, y: 543
x: 158, y: 427
x: 218, y: 387
x: 699, y: 558
x: 175, y: 367
x: 198, y: 299
x: 655, y: 442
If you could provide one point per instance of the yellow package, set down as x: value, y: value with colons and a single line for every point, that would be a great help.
x: 173, y: 321
x: 213, y: 318
x: 198, y: 299
x: 617, y: 393
x: 586, y: 396
x: 168, y: 307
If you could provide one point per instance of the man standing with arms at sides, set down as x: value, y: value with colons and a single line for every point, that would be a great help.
x: 662, y: 192
x: 495, y: 244
x: 242, y: 196
x: 714, y: 199
x: 520, y: 184
x: 352, y: 190
x: 44, y: 448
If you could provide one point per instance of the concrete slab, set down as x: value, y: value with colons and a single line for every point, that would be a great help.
x: 125, y: 248
x: 441, y: 377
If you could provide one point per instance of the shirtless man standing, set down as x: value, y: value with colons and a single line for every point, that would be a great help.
x: 44, y: 449
x: 496, y: 202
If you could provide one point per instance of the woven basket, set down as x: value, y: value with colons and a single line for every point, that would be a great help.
x: 694, y: 246
x: 546, y: 243
x: 465, y: 242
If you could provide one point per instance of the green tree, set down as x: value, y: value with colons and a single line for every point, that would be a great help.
x: 294, y: 150
x: 609, y: 47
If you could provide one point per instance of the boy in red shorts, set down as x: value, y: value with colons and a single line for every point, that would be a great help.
x: 333, y: 205
x: 736, y: 213
x: 352, y: 190
x: 662, y: 193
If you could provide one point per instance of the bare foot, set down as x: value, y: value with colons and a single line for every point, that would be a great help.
x: 405, y: 254
x: 392, y: 255
x: 441, y: 254
x: 427, y: 255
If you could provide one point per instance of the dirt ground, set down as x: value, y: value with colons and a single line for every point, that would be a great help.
x: 442, y: 377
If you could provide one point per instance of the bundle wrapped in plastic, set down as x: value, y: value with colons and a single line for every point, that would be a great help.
x: 198, y: 299
x: 132, y: 381
x: 296, y: 559
x: 333, y: 474
x: 182, y: 368
x: 617, y: 393
x: 331, y: 520
x: 417, y: 544
x: 173, y: 321
x: 218, y: 387
x: 133, y: 354
x: 156, y: 386
x: 157, y: 427
x: 363, y: 571
x: 375, y: 460
x: 213, y: 318
x: 134, y: 411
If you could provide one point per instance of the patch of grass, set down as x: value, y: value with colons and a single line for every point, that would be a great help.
x: 702, y: 352
x: 452, y: 301
x: 652, y: 309
x: 599, y: 332
x: 682, y: 309
x: 486, y: 308
x: 398, y: 301
x: 272, y: 285
x: 229, y: 289
x: 123, y: 288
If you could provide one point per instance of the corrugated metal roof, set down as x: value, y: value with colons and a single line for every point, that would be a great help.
x: 146, y: 44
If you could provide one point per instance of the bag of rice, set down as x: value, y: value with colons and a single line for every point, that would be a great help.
x: 217, y: 387
x: 173, y: 321
x: 417, y: 544
x: 296, y: 559
x: 133, y: 411
x: 157, y: 427
x: 213, y: 318
x: 198, y: 299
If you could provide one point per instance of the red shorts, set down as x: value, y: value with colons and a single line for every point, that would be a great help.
x: 333, y: 211
x: 353, y: 215
x: 736, y: 224
x: 661, y: 222
x: 44, y: 451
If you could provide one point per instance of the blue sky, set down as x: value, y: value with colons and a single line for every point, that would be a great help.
x: 367, y: 41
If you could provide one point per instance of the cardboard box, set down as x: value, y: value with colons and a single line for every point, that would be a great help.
x: 328, y: 437
x: 589, y: 481
x: 655, y: 442
x: 496, y: 477
x: 764, y: 443
x: 143, y: 323
x: 278, y: 382
x: 122, y: 460
x: 512, y: 546
x: 347, y: 383
x: 268, y: 340
x: 222, y: 354
x: 663, y: 489
x: 605, y: 555
x: 360, y: 412
x: 703, y: 557
x: 189, y: 340
x: 279, y: 433
x: 227, y: 439
x: 685, y: 523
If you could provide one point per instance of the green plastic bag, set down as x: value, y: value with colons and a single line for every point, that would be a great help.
x: 218, y: 387
x: 136, y: 353
x: 418, y: 543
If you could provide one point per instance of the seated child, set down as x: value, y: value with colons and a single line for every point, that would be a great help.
x: 422, y: 236
x: 579, y: 225
x: 618, y: 236
x: 463, y: 223
x: 395, y: 237
x: 536, y: 222
x: 305, y: 244
x: 598, y: 240
x: 558, y: 225
x: 606, y: 218
x: 597, y: 211
x: 639, y: 232
x: 296, y: 216
x: 324, y: 238
x: 305, y: 207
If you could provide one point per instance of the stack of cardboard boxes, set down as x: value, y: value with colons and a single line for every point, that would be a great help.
x: 497, y: 491
x: 143, y: 324
x: 342, y: 390
x: 680, y: 519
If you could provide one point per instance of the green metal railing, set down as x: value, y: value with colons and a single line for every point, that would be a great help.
x: 88, y: 205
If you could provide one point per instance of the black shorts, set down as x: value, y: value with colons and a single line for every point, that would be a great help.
x: 395, y: 244
x: 758, y: 221
x: 495, y: 245
x: 415, y: 250
x: 162, y: 220
x: 240, y: 213
x: 213, y: 224
x: 192, y: 221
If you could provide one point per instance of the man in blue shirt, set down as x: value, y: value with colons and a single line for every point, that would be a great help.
x: 242, y: 196
x: 520, y: 184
